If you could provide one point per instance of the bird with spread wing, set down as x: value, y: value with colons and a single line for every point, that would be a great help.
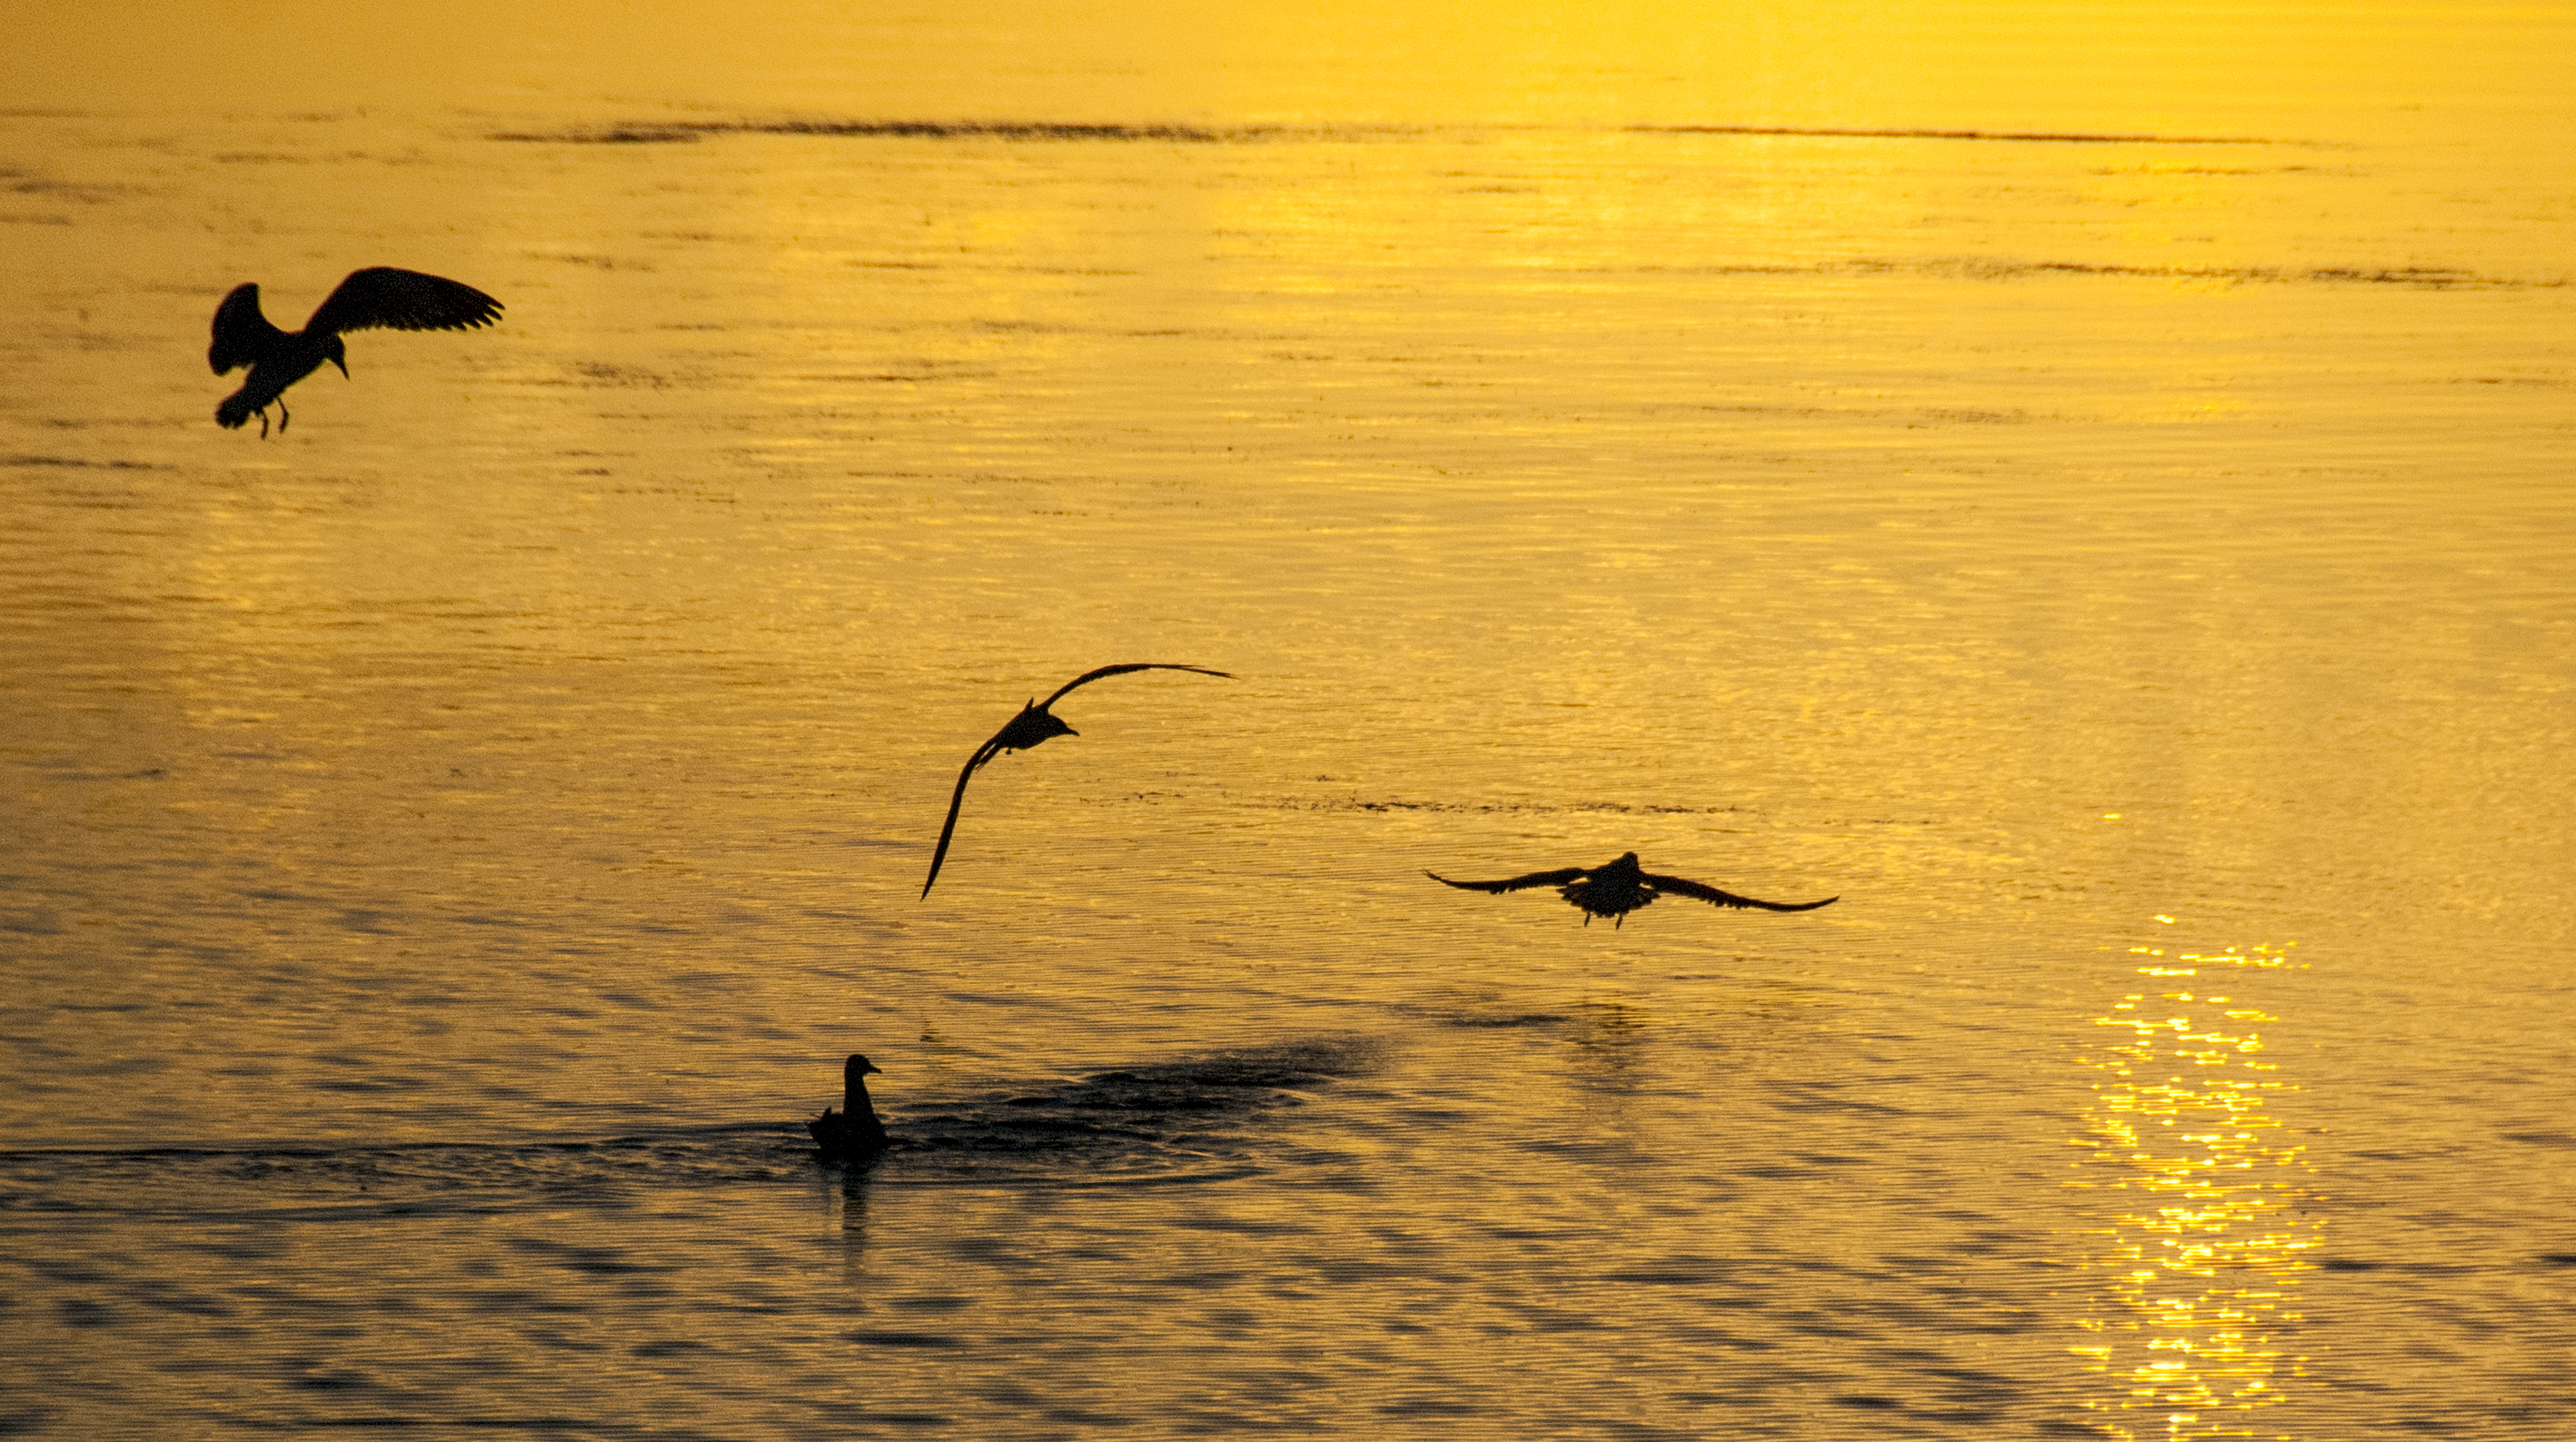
x: 1034, y: 724
x: 379, y: 298
x: 1619, y: 887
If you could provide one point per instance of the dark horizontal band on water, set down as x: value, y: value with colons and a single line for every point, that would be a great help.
x: 660, y: 132
x: 664, y: 132
x: 2069, y: 137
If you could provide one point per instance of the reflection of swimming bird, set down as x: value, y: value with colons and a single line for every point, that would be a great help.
x: 1620, y: 887
x: 1034, y: 724
x: 381, y: 297
x: 853, y: 1131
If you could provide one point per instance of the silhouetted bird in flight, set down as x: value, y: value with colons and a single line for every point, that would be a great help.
x: 853, y: 1132
x: 1034, y: 724
x: 381, y: 297
x: 1620, y: 887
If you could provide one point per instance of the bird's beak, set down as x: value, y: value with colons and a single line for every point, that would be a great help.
x: 343, y: 365
x: 867, y: 1067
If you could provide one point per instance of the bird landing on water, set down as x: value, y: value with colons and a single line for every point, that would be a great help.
x: 380, y: 298
x: 1616, y: 888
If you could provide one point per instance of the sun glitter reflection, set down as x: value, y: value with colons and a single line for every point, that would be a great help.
x: 2200, y: 1242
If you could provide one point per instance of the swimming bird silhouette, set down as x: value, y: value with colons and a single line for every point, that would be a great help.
x: 377, y: 298
x: 1034, y: 724
x: 853, y: 1132
x: 1619, y: 887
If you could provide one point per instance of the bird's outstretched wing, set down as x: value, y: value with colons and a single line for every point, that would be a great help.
x: 948, y: 828
x: 1676, y: 886
x: 242, y: 334
x: 993, y: 747
x: 382, y: 297
x: 1087, y: 677
x: 1535, y: 878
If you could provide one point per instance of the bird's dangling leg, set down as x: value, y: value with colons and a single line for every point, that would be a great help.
x: 283, y: 415
x: 263, y: 423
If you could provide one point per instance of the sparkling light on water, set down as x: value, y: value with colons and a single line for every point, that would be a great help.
x: 2194, y: 1327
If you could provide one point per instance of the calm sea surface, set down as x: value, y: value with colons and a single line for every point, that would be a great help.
x: 2123, y: 552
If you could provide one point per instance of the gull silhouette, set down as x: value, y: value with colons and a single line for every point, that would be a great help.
x: 1034, y: 724
x: 853, y: 1132
x: 1616, y: 888
x: 377, y: 298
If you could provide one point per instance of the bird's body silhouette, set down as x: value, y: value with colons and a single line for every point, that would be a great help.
x: 377, y: 298
x: 1619, y: 887
x: 1034, y: 724
x: 853, y: 1132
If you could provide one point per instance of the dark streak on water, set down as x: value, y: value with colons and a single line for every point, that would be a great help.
x: 668, y: 132
x: 76, y: 463
x: 1184, y: 1121
x: 2420, y: 277
x: 1609, y: 808
x: 2060, y: 137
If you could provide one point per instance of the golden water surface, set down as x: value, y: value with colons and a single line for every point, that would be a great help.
x: 2087, y: 486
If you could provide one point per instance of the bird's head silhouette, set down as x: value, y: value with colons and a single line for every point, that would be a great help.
x: 859, y: 1066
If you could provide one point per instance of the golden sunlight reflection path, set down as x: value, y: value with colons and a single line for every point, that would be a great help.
x: 2201, y: 1234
